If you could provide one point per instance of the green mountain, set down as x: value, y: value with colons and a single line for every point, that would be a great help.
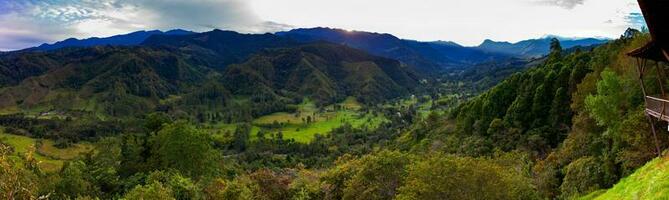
x: 324, y: 72
x: 188, y: 74
x: 113, y: 80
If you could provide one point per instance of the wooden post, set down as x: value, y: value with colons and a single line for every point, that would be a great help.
x: 641, y: 68
x: 652, y: 127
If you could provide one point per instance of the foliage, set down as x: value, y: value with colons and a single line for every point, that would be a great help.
x: 444, y: 176
x: 181, y: 147
x: 648, y: 182
x: 152, y: 191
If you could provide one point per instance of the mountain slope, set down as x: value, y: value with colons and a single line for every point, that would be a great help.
x: 187, y: 76
x: 425, y: 56
x: 534, y: 47
x: 133, y: 38
x: 219, y: 48
x: 323, y: 72
x: 111, y: 80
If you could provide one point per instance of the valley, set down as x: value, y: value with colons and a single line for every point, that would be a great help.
x: 328, y: 113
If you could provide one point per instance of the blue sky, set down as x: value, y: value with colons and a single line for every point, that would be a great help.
x: 26, y: 23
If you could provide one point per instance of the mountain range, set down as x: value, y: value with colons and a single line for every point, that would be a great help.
x: 424, y: 56
x: 133, y: 38
x: 197, y: 73
x: 535, y: 47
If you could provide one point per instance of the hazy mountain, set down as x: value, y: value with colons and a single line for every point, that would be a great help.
x: 426, y: 56
x: 133, y: 38
x: 219, y: 48
x: 535, y: 47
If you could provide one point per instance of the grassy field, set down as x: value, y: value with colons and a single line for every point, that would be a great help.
x: 322, y: 121
x: 48, y: 149
x: 648, y: 182
x: 50, y: 158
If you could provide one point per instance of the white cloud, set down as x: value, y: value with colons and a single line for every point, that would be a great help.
x: 568, y: 4
x: 25, y: 23
x: 48, y: 21
x: 468, y: 22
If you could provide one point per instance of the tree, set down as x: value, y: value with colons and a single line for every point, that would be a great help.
x: 606, y: 106
x: 152, y: 191
x: 182, y: 187
x: 583, y: 176
x: 155, y: 121
x: 181, y: 147
x: 241, y: 137
x: 560, y: 112
x: 75, y: 181
x: 374, y: 176
x: 16, y: 182
x: 104, y: 165
x: 556, y: 48
x: 449, y: 177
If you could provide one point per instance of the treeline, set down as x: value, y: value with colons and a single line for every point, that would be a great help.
x: 178, y: 161
x: 168, y: 159
x: 529, y: 110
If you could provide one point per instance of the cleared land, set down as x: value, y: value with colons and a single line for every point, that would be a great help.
x: 308, y: 120
x: 50, y: 157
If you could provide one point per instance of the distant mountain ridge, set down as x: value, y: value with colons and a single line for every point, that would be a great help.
x: 219, y: 48
x: 535, y: 47
x: 425, y: 56
x: 133, y: 38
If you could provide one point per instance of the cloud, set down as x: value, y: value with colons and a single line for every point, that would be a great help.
x: 31, y: 22
x: 635, y: 20
x: 567, y: 4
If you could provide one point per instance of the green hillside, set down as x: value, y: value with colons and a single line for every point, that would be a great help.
x: 120, y: 82
x: 648, y: 182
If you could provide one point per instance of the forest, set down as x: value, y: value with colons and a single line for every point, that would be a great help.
x: 319, y: 121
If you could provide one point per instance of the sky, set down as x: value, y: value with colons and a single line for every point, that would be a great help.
x: 27, y: 23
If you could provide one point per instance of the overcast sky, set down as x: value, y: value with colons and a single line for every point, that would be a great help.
x: 26, y: 23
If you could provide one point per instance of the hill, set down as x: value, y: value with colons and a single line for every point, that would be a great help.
x: 133, y: 38
x: 535, y: 47
x: 188, y: 75
x: 218, y: 48
x: 426, y: 56
x: 112, y: 80
x: 325, y: 72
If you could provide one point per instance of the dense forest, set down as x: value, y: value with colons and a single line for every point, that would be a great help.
x: 168, y: 122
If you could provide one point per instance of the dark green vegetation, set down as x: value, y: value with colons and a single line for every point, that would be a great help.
x: 186, y: 77
x: 221, y: 115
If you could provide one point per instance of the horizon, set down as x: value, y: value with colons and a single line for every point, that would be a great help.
x: 31, y: 23
x: 547, y: 36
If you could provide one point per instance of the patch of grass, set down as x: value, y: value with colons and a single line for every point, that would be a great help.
x: 306, y: 132
x: 648, y: 182
x: 53, y: 160
x: 351, y: 104
x: 48, y: 149
x: 307, y: 109
x: 293, y: 127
